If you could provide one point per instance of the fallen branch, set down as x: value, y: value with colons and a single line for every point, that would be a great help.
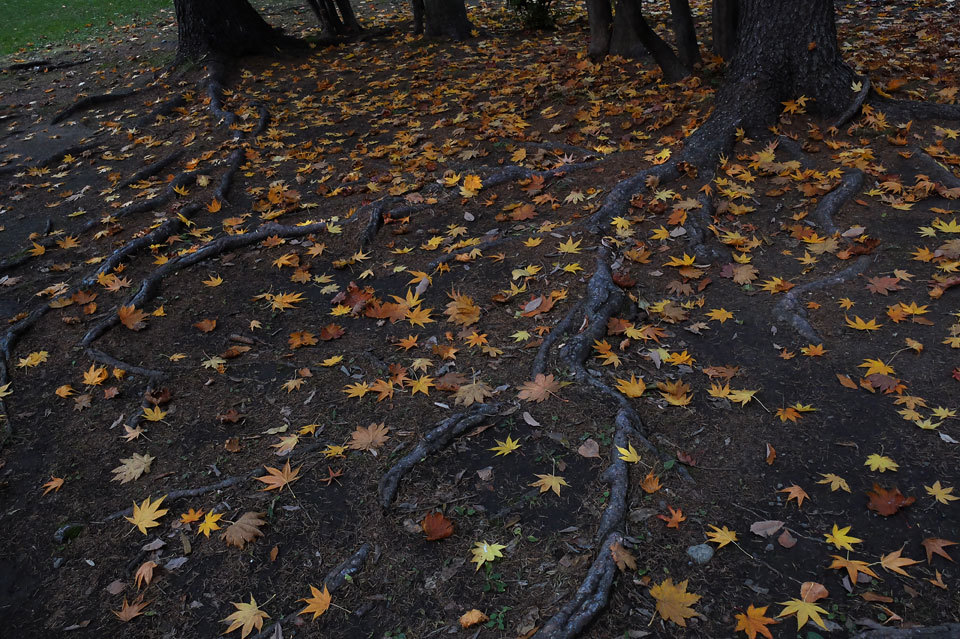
x: 436, y: 439
x: 945, y: 631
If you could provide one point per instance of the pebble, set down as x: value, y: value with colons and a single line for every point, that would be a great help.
x: 701, y: 553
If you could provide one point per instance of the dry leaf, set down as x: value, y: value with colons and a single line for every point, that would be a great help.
x: 244, y: 530
x: 369, y: 437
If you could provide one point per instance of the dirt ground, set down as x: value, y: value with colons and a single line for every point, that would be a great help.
x: 432, y: 277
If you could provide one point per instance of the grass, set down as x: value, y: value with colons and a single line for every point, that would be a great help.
x: 29, y: 24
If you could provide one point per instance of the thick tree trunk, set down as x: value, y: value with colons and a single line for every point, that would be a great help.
x: 447, y: 19
x: 633, y: 37
x: 330, y: 25
x: 686, y: 33
x: 418, y: 11
x: 600, y: 18
x: 785, y: 49
x: 222, y: 28
x: 725, y: 17
x: 349, y: 17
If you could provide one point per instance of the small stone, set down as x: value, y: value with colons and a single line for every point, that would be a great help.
x: 58, y: 561
x: 701, y: 553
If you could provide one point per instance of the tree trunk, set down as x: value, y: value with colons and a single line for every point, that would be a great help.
x: 600, y: 18
x: 221, y: 28
x: 633, y: 37
x: 447, y: 19
x: 330, y: 25
x: 785, y: 49
x: 418, y: 11
x: 349, y: 17
x: 686, y: 33
x: 725, y: 28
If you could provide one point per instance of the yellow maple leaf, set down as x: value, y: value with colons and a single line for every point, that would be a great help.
x: 317, y: 603
x: 804, y: 610
x: 673, y: 601
x: 722, y: 536
x: 246, y: 617
x: 549, y: 482
x: 483, y: 552
x: 277, y: 478
x: 839, y: 538
x: 154, y: 414
x: 629, y: 454
x: 145, y: 515
x: 859, y: 324
x: 754, y: 621
x: 209, y: 523
x: 505, y: 447
x: 632, y: 388
x: 881, y: 463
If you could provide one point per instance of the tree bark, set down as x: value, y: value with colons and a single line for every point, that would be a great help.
x: 221, y: 28
x: 330, y: 24
x: 418, y: 11
x: 349, y: 17
x: 688, y: 50
x: 785, y: 49
x: 447, y: 19
x: 725, y: 17
x: 633, y: 37
x: 600, y: 18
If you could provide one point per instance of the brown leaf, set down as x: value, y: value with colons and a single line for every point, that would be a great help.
x: 369, y: 437
x: 205, y: 326
x: 887, y: 502
x: 144, y: 574
x: 766, y: 528
x: 883, y: 285
x: 436, y: 526
x: 132, y: 318
x: 935, y: 546
x: 539, y: 389
x: 589, y: 448
x: 622, y: 557
x: 130, y: 610
x: 244, y: 530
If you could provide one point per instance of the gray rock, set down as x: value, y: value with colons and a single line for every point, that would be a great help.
x: 701, y: 553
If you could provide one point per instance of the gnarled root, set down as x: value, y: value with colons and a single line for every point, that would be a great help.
x: 438, y: 438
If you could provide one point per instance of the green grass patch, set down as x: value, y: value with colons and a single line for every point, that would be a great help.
x: 29, y: 24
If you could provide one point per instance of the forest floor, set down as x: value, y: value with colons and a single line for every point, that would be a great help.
x: 424, y: 213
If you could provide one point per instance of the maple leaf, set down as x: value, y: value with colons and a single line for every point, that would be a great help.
x: 130, y: 610
x: 881, y: 463
x: 943, y: 494
x: 436, y: 526
x: 836, y: 482
x: 209, y: 523
x: 852, y: 566
x: 369, y: 437
x: 893, y: 562
x: 629, y: 454
x: 622, y: 557
x: 54, y: 484
x: 154, y: 414
x: 650, y: 483
x: 144, y: 574
x: 477, y: 392
x: 673, y: 601
x: 205, y: 325
x: 246, y: 617
x: 754, y: 621
x: 132, y: 318
x: 483, y: 552
x: 505, y: 447
x: 243, y: 530
x: 145, y: 515
x: 676, y: 516
x: 839, y: 538
x: 95, y: 375
x: 935, y: 546
x: 632, y: 388
x: 804, y: 610
x: 859, y: 324
x: 721, y: 536
x: 539, y: 389
x: 795, y: 492
x: 191, y: 516
x: 317, y: 603
x: 283, y: 301
x: 277, y: 478
x: 887, y: 502
x: 549, y: 482
x: 462, y: 310
x: 132, y: 467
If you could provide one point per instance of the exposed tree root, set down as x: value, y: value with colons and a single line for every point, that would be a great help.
x: 913, y: 110
x: 790, y: 311
x: 945, y: 631
x: 13, y: 334
x: 163, y: 109
x: 109, y: 360
x: 53, y: 158
x: 438, y: 438
x: 832, y: 202
x: 936, y: 171
x: 90, y: 102
x: 334, y: 580
x: 151, y: 169
x: 45, y: 65
x: 851, y: 111
x: 453, y: 255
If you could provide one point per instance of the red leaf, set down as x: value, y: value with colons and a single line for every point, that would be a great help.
x: 887, y: 502
x: 436, y: 526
